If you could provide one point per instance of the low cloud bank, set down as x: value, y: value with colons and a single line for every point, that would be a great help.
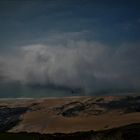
x: 90, y: 66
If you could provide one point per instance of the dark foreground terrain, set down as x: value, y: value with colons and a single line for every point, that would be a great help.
x: 129, y: 132
x: 71, y: 118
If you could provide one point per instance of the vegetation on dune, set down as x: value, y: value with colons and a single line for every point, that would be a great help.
x: 127, y: 104
x: 9, y: 117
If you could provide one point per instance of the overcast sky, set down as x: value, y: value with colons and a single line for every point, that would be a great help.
x: 91, y: 44
x: 32, y: 21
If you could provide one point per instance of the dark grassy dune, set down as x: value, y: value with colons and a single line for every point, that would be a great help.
x: 130, y: 132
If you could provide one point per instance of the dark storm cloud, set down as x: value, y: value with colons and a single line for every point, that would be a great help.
x: 88, y: 44
x: 87, y: 65
x: 30, y: 22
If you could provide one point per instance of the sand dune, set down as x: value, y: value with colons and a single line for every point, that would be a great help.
x: 68, y: 115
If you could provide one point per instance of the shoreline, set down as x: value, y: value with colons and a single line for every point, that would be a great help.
x: 70, y: 97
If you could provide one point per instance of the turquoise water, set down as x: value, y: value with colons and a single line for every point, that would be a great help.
x: 16, y: 91
x: 22, y: 91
